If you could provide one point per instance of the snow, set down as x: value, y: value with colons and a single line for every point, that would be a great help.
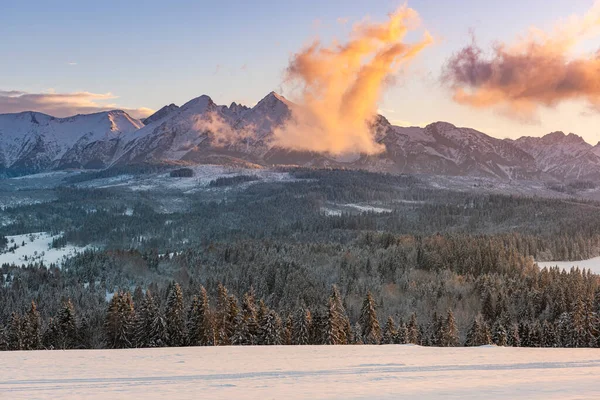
x: 593, y: 264
x: 203, y: 175
x: 36, y: 250
x: 367, y: 208
x: 337, y: 209
x: 303, y: 372
x: 18, y: 132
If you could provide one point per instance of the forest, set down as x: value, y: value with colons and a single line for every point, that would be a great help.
x: 253, y: 262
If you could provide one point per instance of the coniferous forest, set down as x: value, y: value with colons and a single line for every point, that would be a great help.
x: 323, y: 257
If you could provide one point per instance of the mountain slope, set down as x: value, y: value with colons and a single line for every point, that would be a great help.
x: 201, y: 131
x: 562, y: 156
x: 32, y: 142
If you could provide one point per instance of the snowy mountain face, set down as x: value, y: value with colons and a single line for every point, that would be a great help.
x: 160, y: 114
x: 33, y: 142
x: 201, y: 131
x: 562, y: 156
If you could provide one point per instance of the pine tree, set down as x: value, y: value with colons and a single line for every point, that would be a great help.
x: 436, y: 330
x: 548, y: 335
x: 247, y: 326
x: 485, y: 336
x: 472, y: 334
x: 514, y: 340
x: 15, y: 332
x: 334, y: 330
x: 402, y: 334
x: 150, y: 327
x: 32, y: 337
x: 524, y: 334
x: 499, y: 334
x: 389, y: 332
x: 413, y: 330
x: 174, y: 317
x: 535, y: 334
x: 119, y: 321
x: 487, y: 308
x: 371, y: 332
x: 223, y: 330
x: 287, y: 331
x: 270, y: 331
x: 318, y: 327
x: 200, y: 326
x: 450, y: 334
x: 67, y: 325
x: 301, y: 327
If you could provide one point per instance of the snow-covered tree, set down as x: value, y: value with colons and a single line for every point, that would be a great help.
x: 371, y: 331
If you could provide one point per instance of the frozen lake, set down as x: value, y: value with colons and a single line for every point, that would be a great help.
x: 309, y: 372
x: 592, y: 264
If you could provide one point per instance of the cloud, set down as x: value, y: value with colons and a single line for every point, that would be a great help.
x: 341, y: 85
x: 538, y: 70
x: 72, y: 63
x: 63, y: 104
x: 221, y: 132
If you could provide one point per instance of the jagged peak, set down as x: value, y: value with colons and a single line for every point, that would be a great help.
x: 441, y: 126
x: 274, y: 98
x: 163, y: 112
x: 200, y: 103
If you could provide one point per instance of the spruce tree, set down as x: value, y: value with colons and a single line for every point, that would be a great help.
x: 150, y: 327
x: 499, y: 334
x: 371, y: 331
x: 487, y: 308
x: 32, y: 336
x: 450, y: 334
x: 223, y: 330
x: 402, y: 334
x: 335, y: 332
x: 413, y: 330
x: 301, y: 327
x: 200, y: 323
x: 119, y: 321
x: 15, y: 332
x: 270, y: 330
x: 389, y: 332
x: 67, y: 325
x: 174, y: 317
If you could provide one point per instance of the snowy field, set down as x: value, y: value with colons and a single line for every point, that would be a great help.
x: 203, y: 175
x: 592, y: 264
x: 307, y: 372
x: 35, y: 247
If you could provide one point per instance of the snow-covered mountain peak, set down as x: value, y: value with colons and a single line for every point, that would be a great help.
x: 160, y: 114
x: 199, y: 105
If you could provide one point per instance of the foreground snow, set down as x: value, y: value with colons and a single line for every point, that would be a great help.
x: 593, y: 264
x: 35, y: 247
x: 311, y: 372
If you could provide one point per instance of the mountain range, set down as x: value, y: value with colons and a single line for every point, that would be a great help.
x: 201, y: 131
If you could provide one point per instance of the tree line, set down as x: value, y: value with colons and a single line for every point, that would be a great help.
x: 139, y: 321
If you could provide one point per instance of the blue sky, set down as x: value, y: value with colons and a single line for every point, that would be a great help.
x: 152, y: 53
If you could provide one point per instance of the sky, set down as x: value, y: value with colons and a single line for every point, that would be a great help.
x: 66, y: 57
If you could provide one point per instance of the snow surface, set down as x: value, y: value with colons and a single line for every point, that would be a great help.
x: 36, y: 250
x: 19, y: 132
x: 593, y: 264
x: 203, y: 175
x: 303, y: 372
x: 337, y: 209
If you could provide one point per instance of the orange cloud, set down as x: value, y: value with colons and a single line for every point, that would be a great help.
x: 538, y: 70
x: 63, y: 104
x: 341, y: 86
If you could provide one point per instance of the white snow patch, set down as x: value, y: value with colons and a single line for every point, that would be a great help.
x: 36, y: 250
x: 367, y: 208
x: 593, y: 264
x: 303, y: 372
